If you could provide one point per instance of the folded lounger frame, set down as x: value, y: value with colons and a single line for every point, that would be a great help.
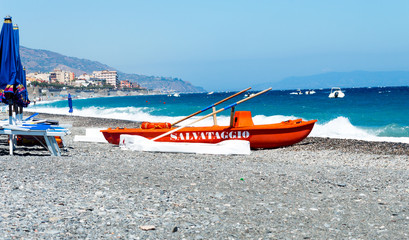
x: 49, y: 135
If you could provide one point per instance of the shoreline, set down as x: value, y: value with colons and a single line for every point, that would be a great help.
x: 385, y: 132
x: 50, y: 95
x: 310, y: 143
x: 316, y: 189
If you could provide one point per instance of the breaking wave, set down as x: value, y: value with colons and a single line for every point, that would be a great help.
x: 339, y: 127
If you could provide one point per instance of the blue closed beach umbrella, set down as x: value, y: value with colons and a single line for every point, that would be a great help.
x: 25, y: 93
x: 8, y: 62
x: 70, y: 103
x: 10, y: 79
x: 22, y: 94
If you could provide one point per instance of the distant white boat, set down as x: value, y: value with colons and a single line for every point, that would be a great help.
x: 210, y: 93
x: 176, y: 95
x: 298, y: 92
x: 336, y: 93
x: 309, y: 92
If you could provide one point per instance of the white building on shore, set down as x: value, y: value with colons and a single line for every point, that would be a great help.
x: 98, y: 78
x: 111, y: 77
x: 60, y: 76
x: 41, y: 77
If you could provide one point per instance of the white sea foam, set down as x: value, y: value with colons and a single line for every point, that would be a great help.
x: 340, y: 127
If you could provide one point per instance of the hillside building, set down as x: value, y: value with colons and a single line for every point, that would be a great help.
x: 72, y: 76
x: 38, y: 77
x: 128, y: 84
x: 84, y: 76
x: 98, y: 78
x: 125, y: 84
x: 110, y: 77
x: 60, y: 76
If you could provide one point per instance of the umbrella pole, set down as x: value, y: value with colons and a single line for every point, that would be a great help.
x: 15, y: 112
x: 21, y: 113
x: 10, y: 114
x: 11, y: 136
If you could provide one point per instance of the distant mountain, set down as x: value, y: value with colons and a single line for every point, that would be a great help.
x: 35, y: 60
x: 342, y: 79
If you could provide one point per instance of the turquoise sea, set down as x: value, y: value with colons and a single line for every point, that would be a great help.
x: 376, y: 114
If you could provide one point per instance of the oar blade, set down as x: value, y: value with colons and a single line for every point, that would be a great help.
x: 210, y: 114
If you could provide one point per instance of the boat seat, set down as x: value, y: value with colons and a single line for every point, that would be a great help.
x: 242, y: 119
x: 155, y: 125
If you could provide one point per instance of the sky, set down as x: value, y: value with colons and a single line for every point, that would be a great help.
x: 220, y: 44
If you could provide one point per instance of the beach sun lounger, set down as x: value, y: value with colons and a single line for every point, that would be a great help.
x: 48, y: 132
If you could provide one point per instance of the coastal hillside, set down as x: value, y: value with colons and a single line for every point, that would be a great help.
x: 36, y: 60
x: 342, y: 79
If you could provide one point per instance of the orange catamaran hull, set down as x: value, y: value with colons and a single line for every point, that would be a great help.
x: 260, y: 136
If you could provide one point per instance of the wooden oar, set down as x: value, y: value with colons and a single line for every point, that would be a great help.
x: 210, y: 114
x: 206, y: 108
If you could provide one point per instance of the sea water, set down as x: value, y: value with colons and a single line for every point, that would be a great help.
x: 374, y: 114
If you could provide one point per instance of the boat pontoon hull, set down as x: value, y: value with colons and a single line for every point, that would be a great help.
x: 260, y: 136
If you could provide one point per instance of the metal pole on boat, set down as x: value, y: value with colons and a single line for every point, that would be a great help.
x: 211, y: 114
x: 211, y: 106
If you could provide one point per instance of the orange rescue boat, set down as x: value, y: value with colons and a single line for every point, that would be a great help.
x: 241, y: 128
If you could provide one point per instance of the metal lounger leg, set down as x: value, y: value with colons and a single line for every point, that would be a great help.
x: 56, y: 147
x: 11, y: 144
x: 51, y: 146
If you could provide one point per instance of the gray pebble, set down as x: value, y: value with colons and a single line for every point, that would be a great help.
x: 98, y: 191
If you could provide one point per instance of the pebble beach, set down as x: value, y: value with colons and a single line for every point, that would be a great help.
x: 320, y: 188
